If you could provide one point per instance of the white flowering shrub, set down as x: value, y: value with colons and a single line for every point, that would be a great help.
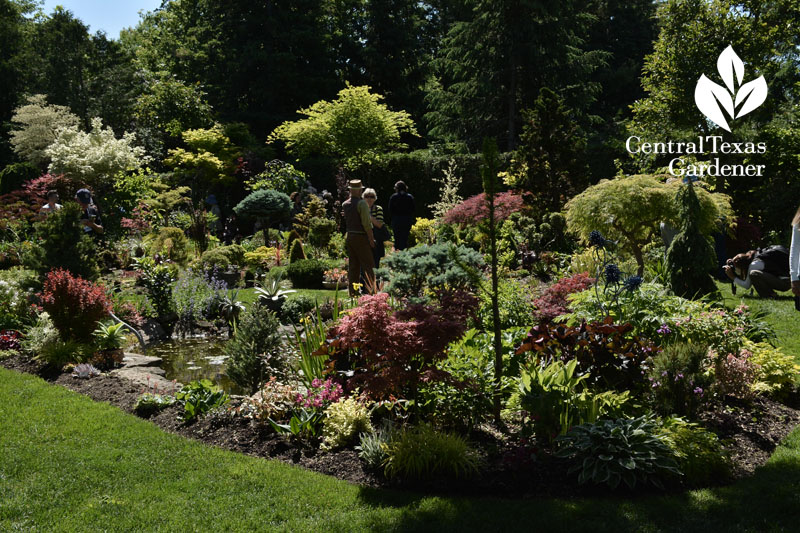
x: 96, y: 157
x: 344, y: 421
x: 15, y: 298
x: 36, y: 125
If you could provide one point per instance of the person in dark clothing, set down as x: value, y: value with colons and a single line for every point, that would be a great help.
x: 232, y: 234
x: 766, y: 270
x: 401, y: 211
x: 90, y: 218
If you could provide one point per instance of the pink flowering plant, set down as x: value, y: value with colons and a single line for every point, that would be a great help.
x: 321, y: 394
x: 735, y: 374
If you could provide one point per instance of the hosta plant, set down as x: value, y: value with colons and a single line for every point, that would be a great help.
x: 200, y: 397
x: 151, y: 403
x: 625, y: 450
x: 610, y: 352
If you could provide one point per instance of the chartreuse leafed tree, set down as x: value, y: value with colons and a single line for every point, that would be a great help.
x: 354, y: 128
x: 208, y: 159
x: 691, y: 257
x: 628, y: 209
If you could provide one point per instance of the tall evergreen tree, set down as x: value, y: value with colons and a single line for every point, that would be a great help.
x: 61, y: 48
x: 11, y: 78
x: 549, y: 159
x: 691, y: 257
x: 494, y: 62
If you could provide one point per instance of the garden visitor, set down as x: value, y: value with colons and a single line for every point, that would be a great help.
x: 51, y: 206
x: 767, y: 270
x: 90, y: 218
x: 794, y: 254
x: 401, y: 211
x: 360, y: 240
x: 379, y: 230
x: 216, y: 226
x: 232, y: 233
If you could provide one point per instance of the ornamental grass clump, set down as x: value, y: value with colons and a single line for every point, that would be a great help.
x: 422, y: 453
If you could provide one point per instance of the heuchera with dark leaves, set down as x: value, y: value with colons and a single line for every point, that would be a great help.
x: 392, y: 352
x: 75, y: 304
x: 609, y: 352
x: 9, y: 339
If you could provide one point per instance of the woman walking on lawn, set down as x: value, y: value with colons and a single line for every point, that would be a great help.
x: 794, y: 254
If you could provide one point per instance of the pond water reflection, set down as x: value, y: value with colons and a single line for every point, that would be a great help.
x: 195, y: 358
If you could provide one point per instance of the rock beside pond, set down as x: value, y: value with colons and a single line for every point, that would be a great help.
x: 134, y: 359
x: 147, y: 376
x: 144, y: 370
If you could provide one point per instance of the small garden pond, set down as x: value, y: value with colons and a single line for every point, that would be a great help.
x: 195, y: 358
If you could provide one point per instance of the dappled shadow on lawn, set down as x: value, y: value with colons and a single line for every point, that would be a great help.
x: 768, y: 501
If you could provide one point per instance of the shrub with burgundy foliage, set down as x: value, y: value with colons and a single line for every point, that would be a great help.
x: 609, y: 352
x: 553, y: 301
x: 392, y: 352
x: 9, y: 340
x: 74, y: 304
x: 475, y: 209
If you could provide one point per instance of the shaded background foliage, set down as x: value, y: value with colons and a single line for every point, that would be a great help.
x: 593, y: 71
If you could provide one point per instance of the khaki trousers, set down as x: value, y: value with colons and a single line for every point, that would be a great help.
x: 360, y: 254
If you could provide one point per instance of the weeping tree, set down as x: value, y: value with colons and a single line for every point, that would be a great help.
x: 691, y: 257
x: 628, y: 209
x: 266, y: 206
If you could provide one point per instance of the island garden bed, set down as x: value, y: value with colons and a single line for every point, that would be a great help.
x: 750, y: 432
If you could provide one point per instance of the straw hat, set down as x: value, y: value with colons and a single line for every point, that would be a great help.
x: 356, y: 184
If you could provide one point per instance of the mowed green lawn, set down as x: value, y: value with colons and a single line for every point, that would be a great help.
x: 70, y: 464
x: 780, y: 313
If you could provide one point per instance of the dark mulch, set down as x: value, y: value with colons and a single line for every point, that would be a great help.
x: 510, y: 467
x: 751, y: 432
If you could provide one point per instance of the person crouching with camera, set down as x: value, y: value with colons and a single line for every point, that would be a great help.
x: 766, y: 270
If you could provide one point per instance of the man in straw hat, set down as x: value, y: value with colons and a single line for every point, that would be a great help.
x: 360, y: 241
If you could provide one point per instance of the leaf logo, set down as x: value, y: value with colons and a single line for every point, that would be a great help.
x: 712, y: 98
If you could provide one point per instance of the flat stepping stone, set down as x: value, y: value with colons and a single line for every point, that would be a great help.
x: 147, y: 376
x: 135, y: 359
